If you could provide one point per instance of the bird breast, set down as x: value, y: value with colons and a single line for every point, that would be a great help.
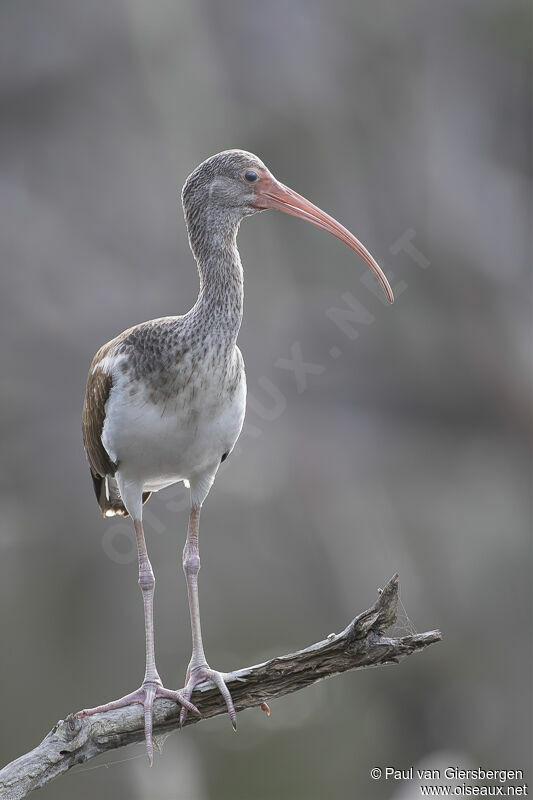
x: 176, y: 420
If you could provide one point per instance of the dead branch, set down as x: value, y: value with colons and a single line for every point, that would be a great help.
x: 361, y: 644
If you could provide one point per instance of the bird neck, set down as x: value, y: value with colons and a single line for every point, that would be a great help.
x: 219, y: 306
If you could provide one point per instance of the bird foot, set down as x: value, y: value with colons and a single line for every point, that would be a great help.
x: 198, y: 675
x: 145, y: 695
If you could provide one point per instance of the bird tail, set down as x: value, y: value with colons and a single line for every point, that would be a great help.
x: 108, y: 496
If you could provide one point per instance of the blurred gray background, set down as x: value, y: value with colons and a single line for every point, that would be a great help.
x: 407, y: 449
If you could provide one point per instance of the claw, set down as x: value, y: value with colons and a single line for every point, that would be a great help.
x: 146, y: 695
x: 199, y: 675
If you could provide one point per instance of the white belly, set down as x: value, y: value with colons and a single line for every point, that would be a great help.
x: 157, y: 445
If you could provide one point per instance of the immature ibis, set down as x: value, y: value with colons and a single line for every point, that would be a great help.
x: 165, y: 400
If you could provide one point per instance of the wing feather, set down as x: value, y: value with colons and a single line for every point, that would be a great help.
x: 98, y: 389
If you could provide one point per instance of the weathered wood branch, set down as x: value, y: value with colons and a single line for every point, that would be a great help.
x: 361, y: 644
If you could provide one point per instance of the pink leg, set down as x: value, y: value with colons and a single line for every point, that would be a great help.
x: 198, y: 670
x: 152, y: 686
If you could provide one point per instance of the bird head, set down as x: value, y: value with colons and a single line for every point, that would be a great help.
x: 234, y: 184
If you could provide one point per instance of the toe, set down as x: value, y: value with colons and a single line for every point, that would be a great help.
x: 217, y: 678
x: 189, y: 706
x: 186, y: 705
x: 179, y: 697
x: 148, y: 722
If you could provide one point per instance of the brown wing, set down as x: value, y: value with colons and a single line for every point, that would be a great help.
x: 97, y: 391
x: 99, y: 385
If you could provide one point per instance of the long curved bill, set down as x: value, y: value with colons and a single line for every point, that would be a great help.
x: 273, y: 194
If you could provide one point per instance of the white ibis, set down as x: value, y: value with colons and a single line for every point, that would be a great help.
x: 165, y: 400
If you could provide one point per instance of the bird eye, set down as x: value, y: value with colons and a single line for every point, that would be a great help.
x: 251, y: 176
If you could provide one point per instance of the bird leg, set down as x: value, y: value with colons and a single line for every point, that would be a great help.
x: 152, y: 686
x: 199, y: 670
